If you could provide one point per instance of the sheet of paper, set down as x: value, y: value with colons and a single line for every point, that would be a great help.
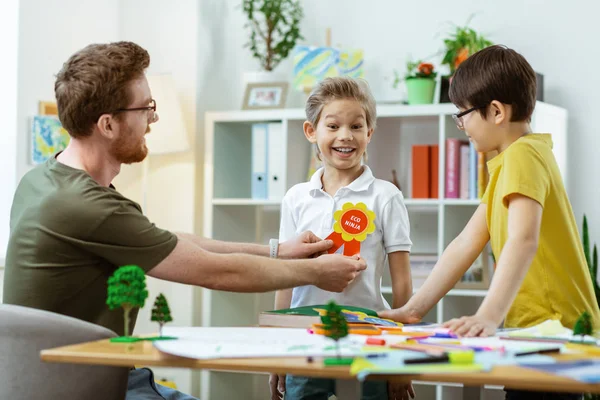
x: 585, y: 371
x: 393, y: 363
x: 206, y: 343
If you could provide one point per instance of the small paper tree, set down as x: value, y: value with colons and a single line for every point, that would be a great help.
x: 161, y: 312
x: 335, y: 324
x: 583, y: 326
x: 127, y: 289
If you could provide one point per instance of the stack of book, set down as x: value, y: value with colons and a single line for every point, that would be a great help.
x: 466, y: 174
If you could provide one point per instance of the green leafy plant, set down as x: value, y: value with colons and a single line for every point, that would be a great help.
x: 592, y: 262
x: 583, y: 325
x: 161, y: 312
x: 591, y: 258
x: 127, y: 289
x: 334, y: 324
x: 462, y: 43
x: 274, y: 29
x: 416, y: 69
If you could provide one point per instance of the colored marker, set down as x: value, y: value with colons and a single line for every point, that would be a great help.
x: 375, y: 341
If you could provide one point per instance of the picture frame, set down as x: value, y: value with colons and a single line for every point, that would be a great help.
x: 265, y: 95
x: 47, y: 108
x: 478, y: 275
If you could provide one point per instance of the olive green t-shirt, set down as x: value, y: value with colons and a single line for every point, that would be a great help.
x: 68, y: 234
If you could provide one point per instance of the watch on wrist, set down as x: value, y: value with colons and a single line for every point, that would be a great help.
x: 273, y: 248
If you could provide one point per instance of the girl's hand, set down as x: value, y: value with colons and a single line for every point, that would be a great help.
x: 471, y: 326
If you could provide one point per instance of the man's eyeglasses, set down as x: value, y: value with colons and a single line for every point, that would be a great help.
x: 151, y: 107
x: 458, y: 116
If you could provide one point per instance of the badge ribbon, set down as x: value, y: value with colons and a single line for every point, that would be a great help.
x: 351, y: 226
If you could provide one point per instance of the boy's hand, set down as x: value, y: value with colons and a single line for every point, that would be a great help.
x: 404, y: 314
x: 306, y: 245
x: 400, y: 391
x: 277, y: 384
x: 471, y: 326
x: 334, y: 271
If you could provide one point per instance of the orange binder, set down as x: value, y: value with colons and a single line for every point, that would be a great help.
x: 420, y: 171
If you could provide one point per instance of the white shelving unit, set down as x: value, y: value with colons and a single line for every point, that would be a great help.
x: 232, y: 214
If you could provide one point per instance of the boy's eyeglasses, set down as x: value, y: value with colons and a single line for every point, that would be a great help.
x: 458, y: 116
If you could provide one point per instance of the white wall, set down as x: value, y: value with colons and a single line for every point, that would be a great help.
x: 49, y: 33
x: 9, y: 31
x: 168, y: 30
x: 553, y: 36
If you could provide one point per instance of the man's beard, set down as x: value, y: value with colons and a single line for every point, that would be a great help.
x: 126, y: 150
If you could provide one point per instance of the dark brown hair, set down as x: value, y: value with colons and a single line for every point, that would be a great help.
x: 94, y: 81
x: 495, y: 73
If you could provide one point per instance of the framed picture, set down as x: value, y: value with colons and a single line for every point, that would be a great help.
x: 261, y: 96
x: 48, y: 137
x: 478, y: 276
x: 48, y: 108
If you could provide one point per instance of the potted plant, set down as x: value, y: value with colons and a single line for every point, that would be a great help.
x: 420, y: 82
x: 461, y: 43
x: 274, y: 30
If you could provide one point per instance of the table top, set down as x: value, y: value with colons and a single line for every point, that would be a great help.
x: 143, y: 353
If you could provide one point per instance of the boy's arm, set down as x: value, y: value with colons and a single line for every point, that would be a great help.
x: 401, y: 279
x: 287, y: 229
x: 454, y: 262
x: 524, y: 221
x: 283, y: 299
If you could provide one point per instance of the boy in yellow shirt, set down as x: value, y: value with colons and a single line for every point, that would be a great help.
x: 541, y: 271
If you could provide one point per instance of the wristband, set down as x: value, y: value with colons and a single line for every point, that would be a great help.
x: 273, y: 248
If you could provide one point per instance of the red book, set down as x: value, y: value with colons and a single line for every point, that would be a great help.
x: 452, y: 168
x: 434, y: 155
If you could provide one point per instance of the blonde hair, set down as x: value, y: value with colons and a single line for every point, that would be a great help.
x: 340, y: 88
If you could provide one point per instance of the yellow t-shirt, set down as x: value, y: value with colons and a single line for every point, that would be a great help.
x: 558, y: 283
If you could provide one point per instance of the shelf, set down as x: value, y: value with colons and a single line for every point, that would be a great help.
x: 407, y: 202
x: 246, y: 202
x: 383, y: 111
x: 453, y: 384
x: 462, y: 202
x: 452, y: 292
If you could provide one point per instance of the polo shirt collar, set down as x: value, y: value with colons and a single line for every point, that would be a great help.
x: 362, y: 183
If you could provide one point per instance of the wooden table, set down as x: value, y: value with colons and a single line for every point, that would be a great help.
x: 103, y: 352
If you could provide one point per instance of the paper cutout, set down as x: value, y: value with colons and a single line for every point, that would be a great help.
x: 352, y: 224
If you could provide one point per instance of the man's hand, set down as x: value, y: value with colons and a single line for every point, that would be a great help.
x: 306, y: 245
x: 404, y: 314
x: 277, y: 385
x: 400, y: 391
x: 335, y: 271
x: 471, y: 326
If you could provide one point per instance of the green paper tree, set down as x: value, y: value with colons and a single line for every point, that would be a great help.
x: 335, y: 324
x: 583, y: 326
x: 161, y: 312
x: 127, y: 289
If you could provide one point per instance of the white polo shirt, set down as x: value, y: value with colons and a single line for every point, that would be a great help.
x: 306, y: 206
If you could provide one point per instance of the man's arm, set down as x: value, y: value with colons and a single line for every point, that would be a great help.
x: 305, y: 245
x: 454, y: 262
x: 401, y: 279
x: 524, y: 222
x: 222, y: 247
x: 190, y: 264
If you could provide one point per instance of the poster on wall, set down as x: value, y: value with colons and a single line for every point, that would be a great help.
x: 313, y: 64
x: 48, y: 137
